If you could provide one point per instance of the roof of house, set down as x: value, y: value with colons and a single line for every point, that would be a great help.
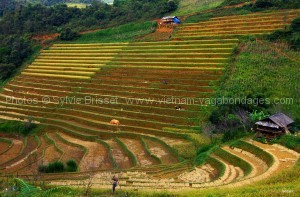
x: 279, y: 119
x: 168, y: 17
x: 267, y: 124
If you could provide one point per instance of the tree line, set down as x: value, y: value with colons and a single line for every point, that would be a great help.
x: 19, y: 21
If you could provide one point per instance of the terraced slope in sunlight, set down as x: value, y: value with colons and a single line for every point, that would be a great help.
x: 157, y: 94
x: 237, y: 25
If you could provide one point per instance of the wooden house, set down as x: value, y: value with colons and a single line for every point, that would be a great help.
x: 273, y: 126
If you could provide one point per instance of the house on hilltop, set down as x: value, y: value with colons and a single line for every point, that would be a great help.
x: 170, y: 20
x: 273, y: 126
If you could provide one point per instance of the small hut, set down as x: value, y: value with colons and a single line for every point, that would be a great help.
x: 170, y: 20
x: 273, y: 126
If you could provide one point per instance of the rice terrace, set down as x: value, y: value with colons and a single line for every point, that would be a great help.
x: 150, y: 98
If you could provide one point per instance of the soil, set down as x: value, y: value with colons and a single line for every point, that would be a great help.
x: 12, y: 152
x: 97, y: 156
x: 3, y: 146
x: 161, y: 152
x: 70, y: 152
x: 138, y: 150
x: 121, y: 158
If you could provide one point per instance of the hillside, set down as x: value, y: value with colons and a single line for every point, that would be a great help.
x: 114, y: 104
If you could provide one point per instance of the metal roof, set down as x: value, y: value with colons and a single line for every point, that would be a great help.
x: 267, y: 124
x: 279, y: 119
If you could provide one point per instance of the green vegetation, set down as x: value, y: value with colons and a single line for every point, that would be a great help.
x: 54, y: 167
x: 71, y: 166
x: 13, y: 51
x: 77, y: 5
x: 192, y: 6
x: 247, y: 83
x: 291, y: 35
x: 234, y: 160
x: 122, y: 33
x: 59, y: 167
x: 290, y: 141
x: 127, y: 151
x: 16, y: 127
x: 258, y: 152
x: 146, y: 147
x: 27, y: 18
x: 27, y: 190
x: 67, y: 34
x: 234, y: 2
x: 259, y: 6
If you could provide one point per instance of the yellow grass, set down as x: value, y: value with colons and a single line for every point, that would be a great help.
x: 55, y: 75
x: 60, y: 72
x: 64, y: 68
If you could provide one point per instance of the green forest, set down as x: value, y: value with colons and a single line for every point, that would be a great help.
x: 22, y: 19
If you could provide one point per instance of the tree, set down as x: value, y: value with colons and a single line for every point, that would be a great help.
x: 67, y: 34
x: 72, y: 166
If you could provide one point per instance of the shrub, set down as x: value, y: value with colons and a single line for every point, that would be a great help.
x: 295, y: 25
x: 291, y: 35
x: 171, y: 6
x: 68, y: 34
x: 72, y: 166
x: 16, y: 127
x: 6, y: 70
x: 290, y: 141
x: 233, y: 135
x: 295, y: 41
x: 263, y: 4
x: 54, y: 167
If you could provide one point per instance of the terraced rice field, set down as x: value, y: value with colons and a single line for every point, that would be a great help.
x: 239, y: 25
x: 75, y: 90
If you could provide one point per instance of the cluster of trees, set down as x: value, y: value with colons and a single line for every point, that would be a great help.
x: 37, y: 18
x: 13, y: 50
x: 291, y: 35
x: 20, y: 19
x: 262, y: 4
x: 16, y: 127
x: 58, y: 166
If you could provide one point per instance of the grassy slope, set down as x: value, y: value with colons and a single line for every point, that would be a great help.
x: 192, y: 6
x: 268, y: 68
x: 123, y: 33
x: 78, y: 5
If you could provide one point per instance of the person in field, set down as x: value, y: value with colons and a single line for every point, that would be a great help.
x: 115, y: 183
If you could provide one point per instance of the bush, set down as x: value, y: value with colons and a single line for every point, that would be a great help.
x: 68, y: 34
x: 171, y: 6
x: 295, y: 25
x: 290, y: 141
x: 295, y: 41
x: 53, y: 167
x: 6, y: 71
x: 72, y: 166
x: 16, y: 127
x: 291, y: 35
x: 263, y: 4
x: 233, y: 135
x: 56, y: 166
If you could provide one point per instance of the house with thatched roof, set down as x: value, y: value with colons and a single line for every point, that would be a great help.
x: 273, y: 126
